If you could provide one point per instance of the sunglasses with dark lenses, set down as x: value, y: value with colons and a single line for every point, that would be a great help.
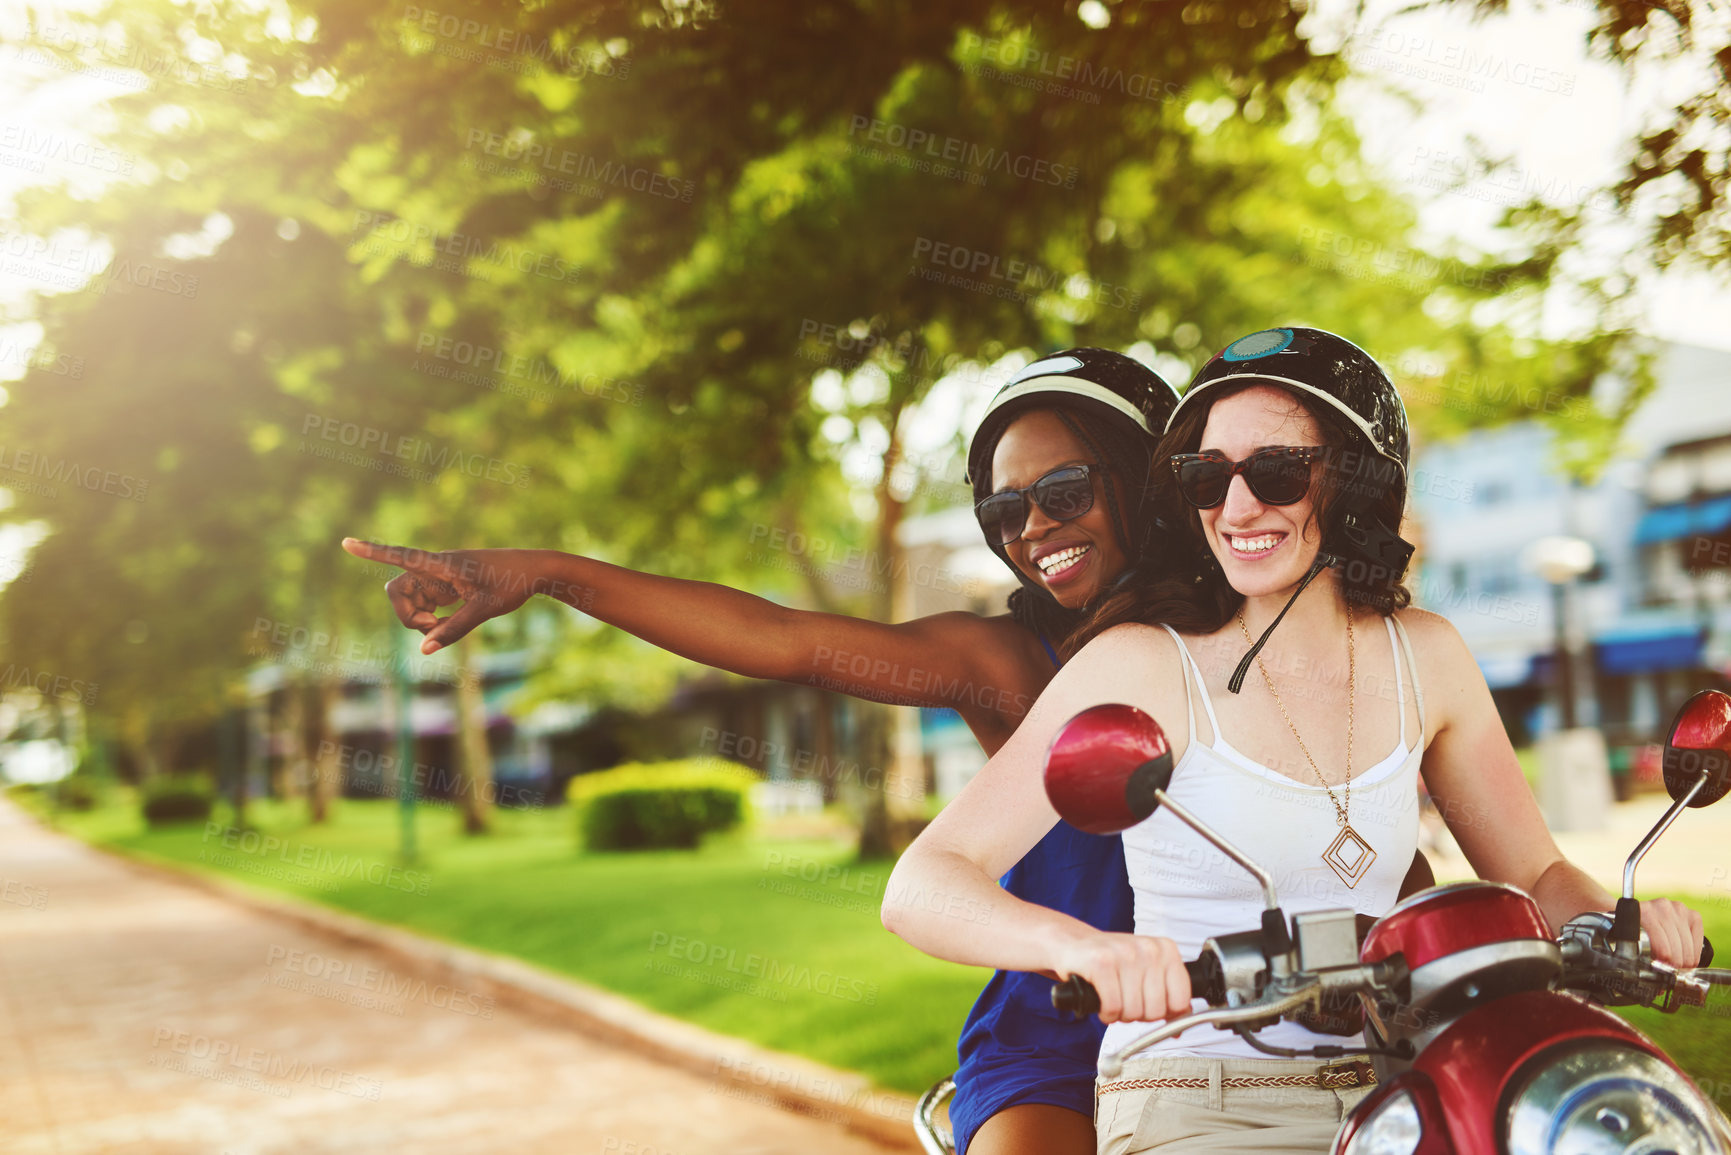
x: 1278, y: 475
x: 1062, y: 495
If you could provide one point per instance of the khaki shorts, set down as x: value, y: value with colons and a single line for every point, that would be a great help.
x: 1291, y: 1120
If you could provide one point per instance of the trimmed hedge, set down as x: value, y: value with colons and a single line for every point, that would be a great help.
x: 181, y: 799
x: 644, y: 805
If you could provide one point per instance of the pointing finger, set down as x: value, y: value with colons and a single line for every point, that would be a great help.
x: 402, y: 556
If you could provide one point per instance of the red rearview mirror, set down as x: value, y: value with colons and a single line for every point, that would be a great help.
x: 1700, y: 740
x: 1103, y: 767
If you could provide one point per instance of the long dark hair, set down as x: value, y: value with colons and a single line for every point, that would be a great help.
x: 1190, y: 593
x: 1127, y: 454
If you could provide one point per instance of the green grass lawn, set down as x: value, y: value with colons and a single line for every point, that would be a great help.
x: 771, y: 940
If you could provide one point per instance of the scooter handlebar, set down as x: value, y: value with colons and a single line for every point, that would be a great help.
x: 1078, y: 996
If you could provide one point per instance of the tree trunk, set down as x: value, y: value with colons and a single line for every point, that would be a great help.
x: 475, y: 760
x: 291, y: 775
x: 327, y: 762
x: 137, y: 738
x: 894, y: 807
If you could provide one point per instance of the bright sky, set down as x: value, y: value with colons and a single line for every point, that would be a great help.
x: 1520, y: 87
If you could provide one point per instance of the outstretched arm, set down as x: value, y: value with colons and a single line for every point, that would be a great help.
x: 978, y: 666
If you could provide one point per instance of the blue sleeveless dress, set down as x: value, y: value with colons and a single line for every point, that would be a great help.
x: 1014, y: 1047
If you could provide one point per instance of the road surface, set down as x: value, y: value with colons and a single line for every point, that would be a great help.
x: 142, y: 1016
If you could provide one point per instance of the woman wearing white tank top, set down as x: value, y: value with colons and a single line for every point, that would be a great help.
x: 1284, y: 469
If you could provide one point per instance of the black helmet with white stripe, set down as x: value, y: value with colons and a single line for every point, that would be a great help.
x: 1117, y: 407
x: 1099, y: 379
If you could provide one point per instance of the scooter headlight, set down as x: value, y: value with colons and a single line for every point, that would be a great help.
x: 1609, y: 1100
x: 1393, y: 1128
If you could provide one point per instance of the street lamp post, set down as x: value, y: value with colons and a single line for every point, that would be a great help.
x: 1559, y: 561
x: 405, y: 696
x: 1574, y: 766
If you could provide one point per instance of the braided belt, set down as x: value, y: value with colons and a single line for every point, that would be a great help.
x: 1333, y: 1077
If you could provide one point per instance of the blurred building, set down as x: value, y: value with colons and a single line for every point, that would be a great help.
x: 1650, y: 623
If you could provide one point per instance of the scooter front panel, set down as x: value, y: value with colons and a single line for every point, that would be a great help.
x: 1446, y: 920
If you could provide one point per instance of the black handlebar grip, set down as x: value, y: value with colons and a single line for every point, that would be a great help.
x: 1207, y: 982
x: 1706, y: 952
x: 1076, y: 995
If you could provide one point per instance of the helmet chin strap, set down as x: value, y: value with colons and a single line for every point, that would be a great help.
x: 1323, y: 561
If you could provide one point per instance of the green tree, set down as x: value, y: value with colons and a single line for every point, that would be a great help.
x: 576, y: 275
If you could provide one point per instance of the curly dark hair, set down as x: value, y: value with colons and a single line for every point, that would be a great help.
x: 1191, y: 594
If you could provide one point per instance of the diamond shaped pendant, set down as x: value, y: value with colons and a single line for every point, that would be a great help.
x: 1349, y: 856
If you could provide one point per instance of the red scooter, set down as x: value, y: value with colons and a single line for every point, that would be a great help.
x: 1487, y: 1035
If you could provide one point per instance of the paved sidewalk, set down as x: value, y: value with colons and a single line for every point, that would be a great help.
x: 140, y: 1015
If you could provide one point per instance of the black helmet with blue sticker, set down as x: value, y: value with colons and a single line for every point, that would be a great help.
x: 1369, y: 552
x: 1321, y: 365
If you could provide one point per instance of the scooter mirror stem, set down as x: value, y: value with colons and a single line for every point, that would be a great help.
x: 1626, y: 930
x: 1276, y: 938
x: 1270, y: 900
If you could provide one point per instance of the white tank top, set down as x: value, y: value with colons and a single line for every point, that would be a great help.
x: 1188, y: 891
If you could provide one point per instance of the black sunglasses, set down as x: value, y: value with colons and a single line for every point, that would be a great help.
x: 1064, y: 494
x: 1278, y: 475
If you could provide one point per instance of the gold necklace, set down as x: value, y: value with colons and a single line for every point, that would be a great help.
x: 1349, y: 855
